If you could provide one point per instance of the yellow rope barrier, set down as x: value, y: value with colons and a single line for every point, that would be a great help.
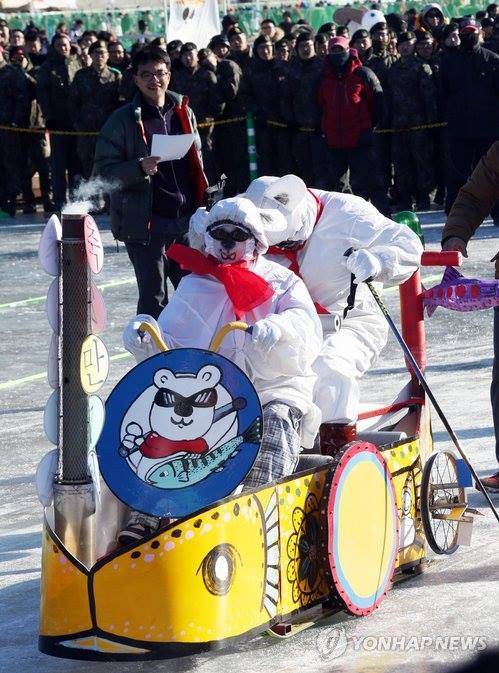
x: 40, y: 131
x: 421, y: 127
x: 216, y: 122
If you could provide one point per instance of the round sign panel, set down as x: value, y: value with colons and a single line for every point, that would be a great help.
x: 53, y: 363
x: 182, y: 430
x: 96, y: 415
x: 98, y: 310
x: 94, y: 364
x: 362, y: 528
x: 52, y: 305
x: 48, y: 249
x: 93, y: 245
x: 51, y: 417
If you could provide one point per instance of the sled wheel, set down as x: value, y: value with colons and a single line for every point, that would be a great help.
x: 440, y: 494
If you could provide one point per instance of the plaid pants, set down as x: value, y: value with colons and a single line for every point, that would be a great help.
x: 280, y: 449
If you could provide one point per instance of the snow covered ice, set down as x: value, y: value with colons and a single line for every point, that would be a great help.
x: 454, y: 600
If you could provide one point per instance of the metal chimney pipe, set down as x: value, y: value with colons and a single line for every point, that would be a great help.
x: 73, y: 490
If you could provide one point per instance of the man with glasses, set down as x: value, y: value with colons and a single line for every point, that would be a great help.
x: 93, y: 96
x: 152, y: 200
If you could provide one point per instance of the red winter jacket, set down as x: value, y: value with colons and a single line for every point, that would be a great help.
x: 351, y: 104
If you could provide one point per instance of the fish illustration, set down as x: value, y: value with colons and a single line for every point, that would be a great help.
x: 458, y: 293
x: 193, y: 468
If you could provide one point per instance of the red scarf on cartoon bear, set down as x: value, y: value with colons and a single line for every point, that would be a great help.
x: 155, y: 446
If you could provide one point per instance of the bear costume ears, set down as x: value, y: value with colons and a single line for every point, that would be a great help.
x: 208, y: 376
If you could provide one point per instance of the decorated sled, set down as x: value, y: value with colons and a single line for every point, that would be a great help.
x: 181, y: 431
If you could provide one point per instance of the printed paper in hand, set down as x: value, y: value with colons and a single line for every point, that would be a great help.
x: 170, y: 148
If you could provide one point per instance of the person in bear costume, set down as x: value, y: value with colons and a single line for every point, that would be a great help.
x: 230, y: 279
x: 322, y: 226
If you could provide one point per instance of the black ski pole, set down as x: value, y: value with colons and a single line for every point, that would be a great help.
x: 420, y: 377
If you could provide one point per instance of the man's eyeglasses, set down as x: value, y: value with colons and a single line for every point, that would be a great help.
x: 147, y: 76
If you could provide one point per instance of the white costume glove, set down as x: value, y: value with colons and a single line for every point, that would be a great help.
x: 197, y: 229
x: 141, y: 347
x: 265, y: 335
x: 364, y: 265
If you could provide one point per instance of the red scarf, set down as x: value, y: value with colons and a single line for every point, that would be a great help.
x: 245, y: 289
x: 155, y: 446
x: 292, y: 254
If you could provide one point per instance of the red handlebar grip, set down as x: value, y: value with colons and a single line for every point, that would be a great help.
x: 447, y: 258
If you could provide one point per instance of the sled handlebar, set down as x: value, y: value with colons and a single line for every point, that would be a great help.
x: 223, y: 331
x: 155, y: 336
x: 445, y: 258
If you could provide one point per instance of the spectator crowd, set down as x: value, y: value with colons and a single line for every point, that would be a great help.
x: 398, y: 114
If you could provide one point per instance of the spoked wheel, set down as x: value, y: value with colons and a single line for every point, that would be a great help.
x: 441, y: 498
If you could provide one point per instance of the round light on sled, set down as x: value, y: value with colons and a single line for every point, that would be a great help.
x: 218, y: 569
x: 221, y: 569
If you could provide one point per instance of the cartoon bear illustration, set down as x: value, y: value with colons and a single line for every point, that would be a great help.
x: 182, y: 428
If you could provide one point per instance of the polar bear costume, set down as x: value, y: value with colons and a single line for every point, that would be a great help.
x: 322, y: 226
x: 286, y: 337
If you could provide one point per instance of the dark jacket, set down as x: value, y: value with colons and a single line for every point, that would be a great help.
x: 229, y: 77
x: 53, y: 81
x: 36, y: 119
x: 242, y: 58
x: 475, y: 200
x: 120, y: 145
x: 351, y: 103
x: 469, y: 82
x: 492, y: 44
x: 411, y: 93
x: 14, y: 99
x: 92, y: 97
x: 200, y: 86
x: 299, y: 104
x: 263, y: 84
x: 380, y: 63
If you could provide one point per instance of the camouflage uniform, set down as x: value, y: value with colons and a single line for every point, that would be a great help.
x: 35, y: 148
x: 380, y: 63
x: 93, y: 96
x: 206, y: 101
x: 13, y: 112
x: 231, y: 145
x: 128, y: 88
x: 264, y: 84
x: 300, y: 109
x: 242, y: 58
x: 412, y: 97
x: 53, y: 82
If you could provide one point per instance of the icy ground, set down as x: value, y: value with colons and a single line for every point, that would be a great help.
x: 457, y: 596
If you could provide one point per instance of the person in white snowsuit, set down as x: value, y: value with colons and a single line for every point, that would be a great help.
x: 322, y: 226
x: 231, y: 279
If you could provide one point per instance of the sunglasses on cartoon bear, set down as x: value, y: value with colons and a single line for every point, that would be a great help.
x: 237, y: 235
x: 185, y: 405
